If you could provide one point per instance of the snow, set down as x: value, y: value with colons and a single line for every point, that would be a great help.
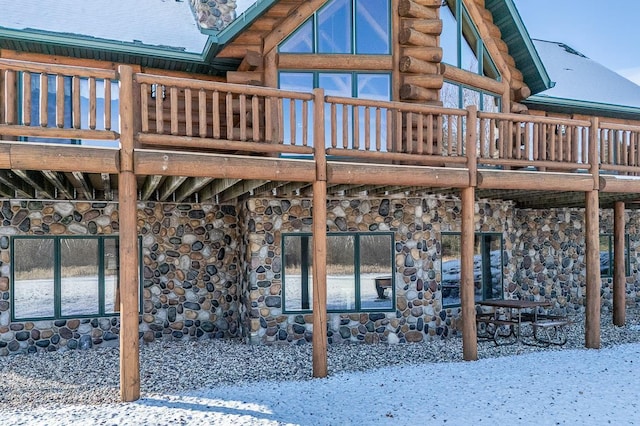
x: 582, y: 386
x: 582, y: 79
x: 150, y: 22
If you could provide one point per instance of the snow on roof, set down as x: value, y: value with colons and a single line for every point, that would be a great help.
x: 167, y: 23
x: 582, y: 79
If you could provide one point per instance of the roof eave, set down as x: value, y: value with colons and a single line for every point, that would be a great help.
x: 218, y: 39
x: 573, y: 106
x: 508, y: 20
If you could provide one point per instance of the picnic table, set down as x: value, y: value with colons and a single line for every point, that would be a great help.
x: 504, y: 322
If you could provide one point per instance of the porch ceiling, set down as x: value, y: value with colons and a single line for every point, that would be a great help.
x: 30, y: 184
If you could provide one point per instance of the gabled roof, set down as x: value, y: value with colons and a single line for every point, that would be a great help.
x: 583, y: 85
x: 153, y: 33
x: 515, y: 35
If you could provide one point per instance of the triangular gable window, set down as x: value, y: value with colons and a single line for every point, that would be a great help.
x: 461, y: 43
x: 360, y: 27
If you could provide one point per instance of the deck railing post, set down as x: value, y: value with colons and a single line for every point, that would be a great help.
x: 319, y: 339
x: 471, y: 147
x: 594, y: 158
x: 619, y: 274
x: 129, y: 265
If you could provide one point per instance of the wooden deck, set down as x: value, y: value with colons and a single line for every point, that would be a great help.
x: 197, y: 140
x: 188, y: 140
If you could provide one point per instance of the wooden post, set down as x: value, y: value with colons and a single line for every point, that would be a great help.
x: 471, y: 147
x: 467, y: 298
x: 319, y: 240
x: 619, y: 273
x: 592, y: 240
x: 129, y: 265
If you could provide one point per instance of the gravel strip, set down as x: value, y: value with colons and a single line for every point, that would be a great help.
x: 92, y: 377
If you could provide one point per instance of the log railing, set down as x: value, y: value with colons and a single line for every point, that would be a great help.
x: 45, y: 102
x: 619, y: 148
x: 57, y: 102
x: 192, y: 114
x: 395, y: 131
x: 515, y: 140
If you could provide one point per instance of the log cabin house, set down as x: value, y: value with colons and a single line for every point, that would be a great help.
x: 163, y: 166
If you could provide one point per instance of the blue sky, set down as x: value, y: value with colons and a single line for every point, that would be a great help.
x: 603, y: 30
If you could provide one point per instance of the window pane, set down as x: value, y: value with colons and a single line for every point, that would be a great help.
x: 492, y: 267
x: 100, y: 111
x: 490, y: 103
x: 341, y: 280
x: 50, y: 115
x: 297, y: 259
x: 489, y: 68
x: 449, y: 36
x: 374, y: 86
x: 450, y: 277
x: 376, y: 272
x: 79, y: 276
x: 336, y: 84
x: 111, y: 284
x: 606, y: 264
x: 334, y: 27
x: 470, y: 97
x: 33, y: 288
x: 299, y: 82
x: 301, y: 41
x: 450, y: 95
x: 469, y: 45
x: 372, y: 27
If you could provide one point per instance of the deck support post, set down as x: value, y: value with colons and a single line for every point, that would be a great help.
x: 592, y: 240
x: 467, y: 298
x: 128, y: 235
x: 619, y: 270
x: 319, y: 339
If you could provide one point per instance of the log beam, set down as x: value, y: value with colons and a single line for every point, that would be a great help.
x: 592, y: 259
x: 378, y: 174
x: 619, y: 275
x: 467, y: 287
x: 152, y: 162
x: 129, y: 264
x: 534, y: 181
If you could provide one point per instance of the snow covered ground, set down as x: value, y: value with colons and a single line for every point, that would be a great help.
x: 568, y: 386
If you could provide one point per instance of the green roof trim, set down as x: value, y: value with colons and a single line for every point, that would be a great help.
x: 572, y: 106
x: 521, y: 48
x: 220, y: 38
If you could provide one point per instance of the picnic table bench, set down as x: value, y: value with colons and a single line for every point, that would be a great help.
x: 504, y: 325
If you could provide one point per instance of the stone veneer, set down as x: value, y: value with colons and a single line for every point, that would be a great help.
x: 214, y: 14
x: 417, y: 224
x: 216, y: 271
x: 190, y: 272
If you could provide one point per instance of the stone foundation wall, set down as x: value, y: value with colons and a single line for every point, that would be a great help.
x: 417, y: 224
x: 547, y: 257
x: 189, y: 274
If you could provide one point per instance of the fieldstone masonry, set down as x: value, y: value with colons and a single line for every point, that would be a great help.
x: 214, y: 14
x: 212, y: 271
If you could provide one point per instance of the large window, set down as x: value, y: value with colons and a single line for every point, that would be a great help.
x: 359, y: 27
x: 359, y: 272
x: 487, y: 267
x: 48, y: 119
x: 461, y: 43
x: 607, y: 255
x: 63, y: 277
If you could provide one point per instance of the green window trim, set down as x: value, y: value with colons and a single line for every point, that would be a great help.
x: 607, y: 252
x: 487, y: 287
x: 307, y: 281
x: 467, y: 33
x: 57, y: 276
